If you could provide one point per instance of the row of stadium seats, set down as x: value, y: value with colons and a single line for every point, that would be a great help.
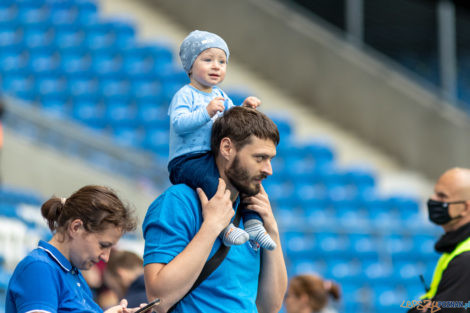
x: 64, y: 58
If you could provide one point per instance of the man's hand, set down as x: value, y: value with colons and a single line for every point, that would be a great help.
x: 216, y: 105
x: 218, y: 210
x: 251, y: 102
x: 260, y: 204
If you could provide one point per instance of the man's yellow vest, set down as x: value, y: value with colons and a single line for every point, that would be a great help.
x: 442, y: 265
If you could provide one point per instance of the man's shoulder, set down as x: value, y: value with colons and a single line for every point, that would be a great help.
x: 462, y: 259
x: 180, y: 192
x: 180, y: 189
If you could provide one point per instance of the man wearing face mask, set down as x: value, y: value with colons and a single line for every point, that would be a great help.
x: 449, y: 207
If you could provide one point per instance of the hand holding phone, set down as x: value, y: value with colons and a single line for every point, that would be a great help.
x: 149, y: 306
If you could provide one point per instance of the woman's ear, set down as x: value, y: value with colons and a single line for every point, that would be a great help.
x: 75, y: 227
x: 226, y: 148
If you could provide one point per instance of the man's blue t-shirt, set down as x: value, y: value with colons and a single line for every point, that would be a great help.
x: 46, y: 281
x: 171, y: 222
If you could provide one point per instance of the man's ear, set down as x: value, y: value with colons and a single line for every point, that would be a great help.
x: 466, y: 211
x: 227, y: 149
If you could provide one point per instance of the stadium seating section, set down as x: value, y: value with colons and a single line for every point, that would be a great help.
x: 67, y: 59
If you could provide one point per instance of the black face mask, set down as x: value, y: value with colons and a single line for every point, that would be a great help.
x: 439, y: 211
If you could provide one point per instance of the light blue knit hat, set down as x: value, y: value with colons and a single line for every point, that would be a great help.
x: 196, y: 42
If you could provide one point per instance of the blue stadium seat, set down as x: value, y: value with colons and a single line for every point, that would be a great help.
x: 321, y: 151
x: 14, y: 196
x: 124, y: 32
x: 238, y: 95
x: 8, y: 210
x: 280, y: 195
x: 33, y: 13
x: 89, y: 112
x: 341, y: 270
x: 300, y: 167
x: 156, y: 139
x: 139, y: 62
x: 147, y: 90
x: 120, y: 113
x: 107, y: 64
x: 321, y: 219
x: 387, y: 298
x: 376, y: 273
x: 12, y: 60
x: 44, y: 62
x: 309, y: 265
x: 424, y: 247
x: 308, y: 195
x: 69, y: 38
x: 87, y: 12
x: 351, y: 219
x: 75, y: 63
x: 290, y: 218
x: 38, y: 38
x: 397, y: 246
x: 49, y: 84
x: 361, y: 178
x: 283, y: 123
x: 56, y: 104
x: 14, y: 84
x: 20, y: 85
x: 300, y: 245
x: 352, y: 297
x: 153, y: 116
x: 62, y: 13
x: 83, y: 86
x: 8, y: 13
x: 332, y: 244
x: 407, y: 272
x: 364, y: 246
x: 381, y: 214
x: 128, y: 136
x: 100, y: 36
x: 10, y: 39
x: 114, y: 88
x: 162, y: 55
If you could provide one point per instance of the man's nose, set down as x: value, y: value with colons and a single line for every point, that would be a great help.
x: 267, y: 168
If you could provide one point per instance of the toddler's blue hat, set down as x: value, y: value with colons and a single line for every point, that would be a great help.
x: 196, y: 42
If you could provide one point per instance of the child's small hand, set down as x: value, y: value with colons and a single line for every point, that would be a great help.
x: 252, y: 102
x: 216, y: 105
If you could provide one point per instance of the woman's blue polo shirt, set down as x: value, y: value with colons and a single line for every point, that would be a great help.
x: 46, y: 281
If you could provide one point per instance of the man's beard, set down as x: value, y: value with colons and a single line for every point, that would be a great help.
x: 241, y: 180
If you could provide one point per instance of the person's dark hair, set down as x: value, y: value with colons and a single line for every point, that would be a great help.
x: 239, y: 124
x: 123, y: 259
x: 317, y: 290
x: 96, y: 206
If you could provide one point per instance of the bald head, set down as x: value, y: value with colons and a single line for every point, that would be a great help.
x: 455, y: 184
x: 454, y: 187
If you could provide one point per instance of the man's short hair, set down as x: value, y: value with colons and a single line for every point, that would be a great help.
x: 239, y: 124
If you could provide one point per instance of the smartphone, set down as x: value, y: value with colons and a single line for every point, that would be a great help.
x: 149, y: 306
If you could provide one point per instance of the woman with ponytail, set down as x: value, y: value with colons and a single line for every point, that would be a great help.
x: 85, y: 227
x: 309, y: 294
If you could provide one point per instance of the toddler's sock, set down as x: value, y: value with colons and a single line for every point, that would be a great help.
x: 233, y: 235
x: 257, y: 232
